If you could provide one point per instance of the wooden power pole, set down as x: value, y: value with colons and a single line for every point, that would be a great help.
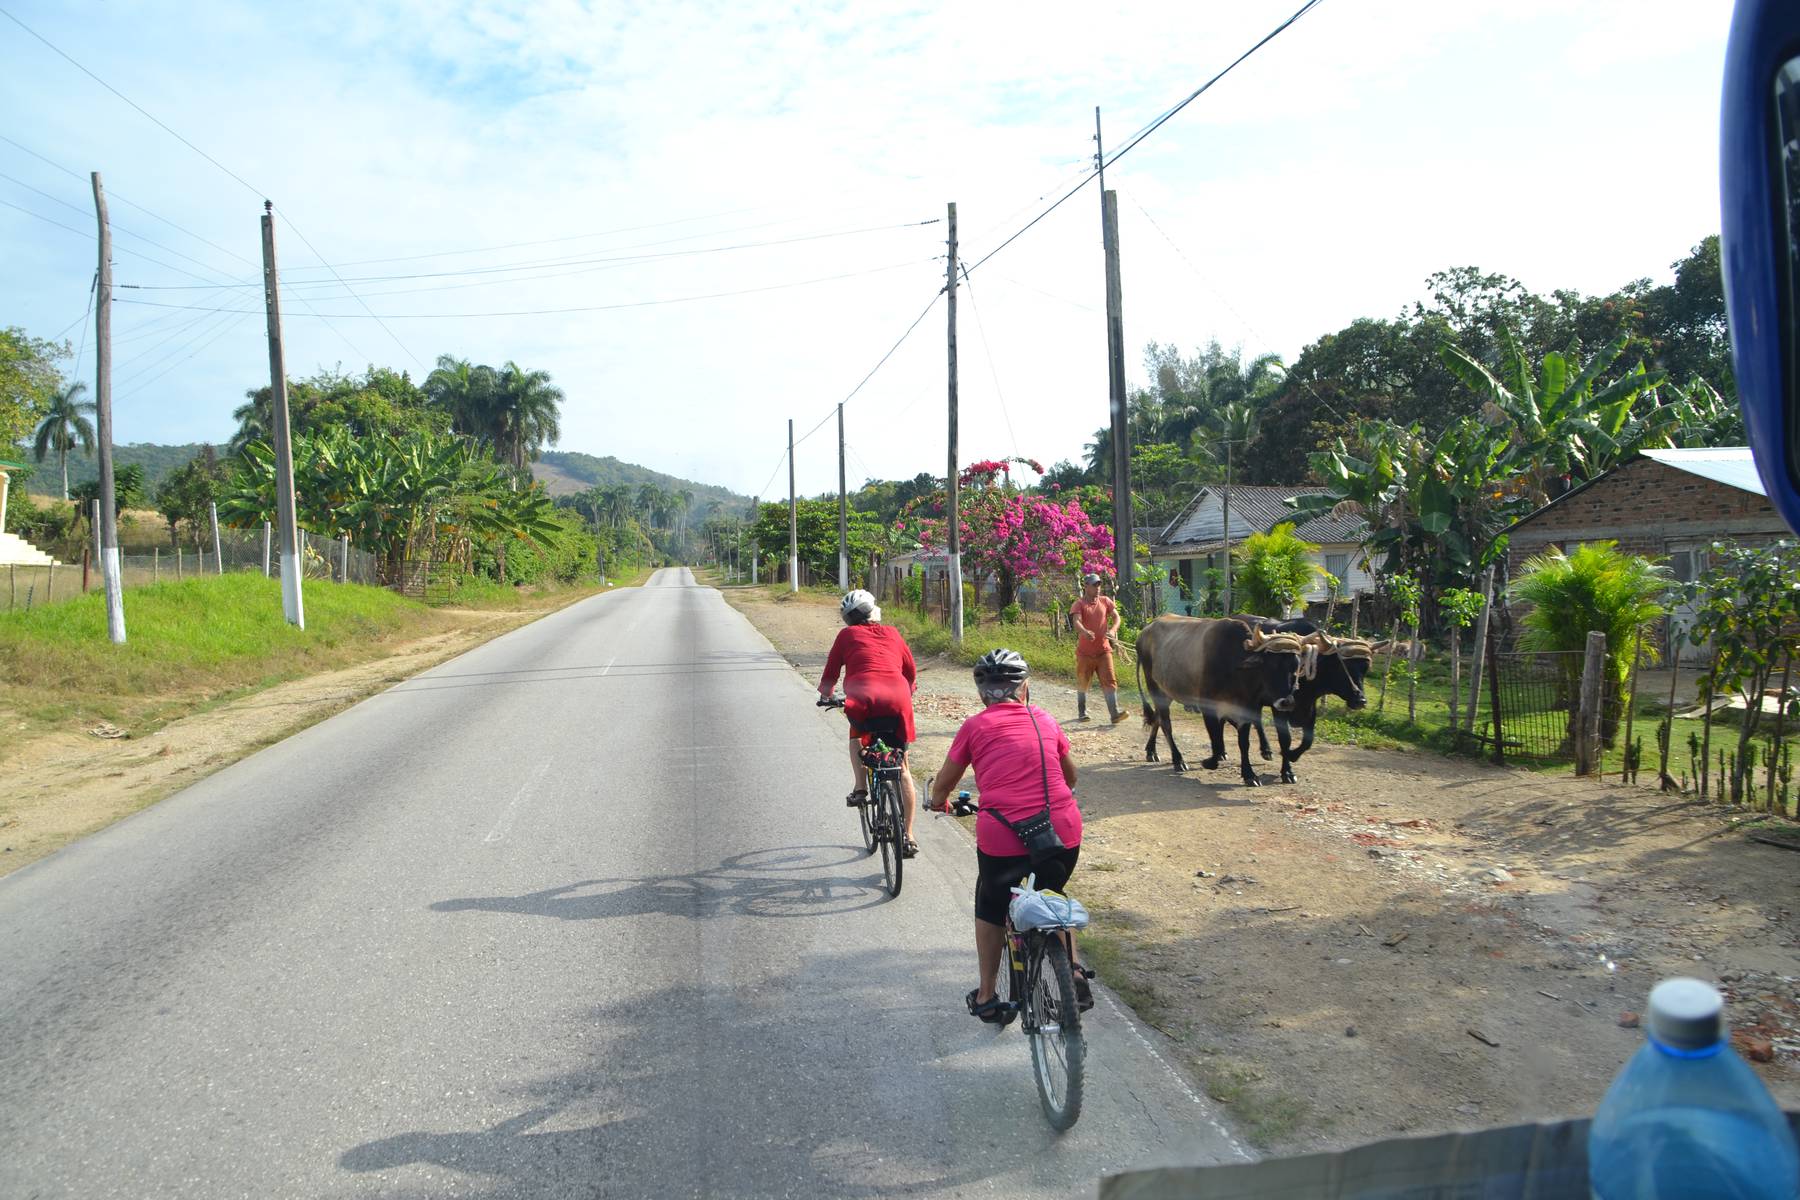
x: 109, y: 514
x: 1115, y: 376
x: 954, y: 545
x: 793, y: 518
x: 843, y: 513
x: 292, y: 605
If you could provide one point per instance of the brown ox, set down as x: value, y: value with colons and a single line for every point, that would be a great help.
x: 1228, y: 669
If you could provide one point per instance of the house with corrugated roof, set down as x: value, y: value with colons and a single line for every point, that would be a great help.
x: 1198, y: 539
x: 1669, y: 505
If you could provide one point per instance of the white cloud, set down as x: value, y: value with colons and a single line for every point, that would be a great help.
x: 1363, y: 149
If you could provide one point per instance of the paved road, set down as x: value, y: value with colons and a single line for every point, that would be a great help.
x: 578, y: 913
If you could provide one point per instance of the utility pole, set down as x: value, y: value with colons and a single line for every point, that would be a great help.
x: 954, y: 548
x: 292, y: 606
x: 793, y: 518
x: 218, y: 550
x: 1227, y: 517
x: 109, y: 508
x: 1115, y: 376
x: 843, y: 513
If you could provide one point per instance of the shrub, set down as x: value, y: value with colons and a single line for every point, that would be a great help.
x: 1273, y: 570
x: 1012, y: 614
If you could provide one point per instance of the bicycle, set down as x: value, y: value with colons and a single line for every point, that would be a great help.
x: 1041, y: 994
x: 880, y: 814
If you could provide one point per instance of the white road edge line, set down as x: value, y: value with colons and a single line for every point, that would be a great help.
x: 504, y: 825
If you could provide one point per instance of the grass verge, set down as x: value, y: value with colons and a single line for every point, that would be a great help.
x: 189, y: 644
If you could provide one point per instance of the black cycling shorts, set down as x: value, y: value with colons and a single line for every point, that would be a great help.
x: 997, y: 874
x: 891, y: 730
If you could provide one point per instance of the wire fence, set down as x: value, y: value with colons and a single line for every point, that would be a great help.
x: 25, y: 586
x: 1534, y: 705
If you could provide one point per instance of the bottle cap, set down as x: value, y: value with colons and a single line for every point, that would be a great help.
x: 1686, y: 1014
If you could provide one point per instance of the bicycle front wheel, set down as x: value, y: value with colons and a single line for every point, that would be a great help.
x: 1057, y: 1047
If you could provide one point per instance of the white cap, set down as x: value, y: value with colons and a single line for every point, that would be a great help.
x: 1686, y: 1014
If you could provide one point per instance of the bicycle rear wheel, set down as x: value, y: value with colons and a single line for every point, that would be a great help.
x: 864, y: 815
x: 1058, y: 1049
x: 891, y: 830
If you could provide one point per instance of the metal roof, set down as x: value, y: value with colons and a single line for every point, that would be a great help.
x: 1254, y: 509
x: 1732, y: 466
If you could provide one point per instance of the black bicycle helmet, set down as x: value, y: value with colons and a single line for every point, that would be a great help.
x: 998, y: 673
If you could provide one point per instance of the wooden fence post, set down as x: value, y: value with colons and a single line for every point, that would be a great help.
x: 1455, y: 683
x: 1481, y: 637
x: 1493, y: 663
x: 1587, y: 718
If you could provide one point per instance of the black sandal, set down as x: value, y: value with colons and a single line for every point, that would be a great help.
x: 857, y: 798
x: 1084, y: 992
x: 909, y: 848
x: 991, y: 1010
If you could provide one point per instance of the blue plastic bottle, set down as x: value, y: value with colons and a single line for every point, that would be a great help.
x: 1687, y: 1117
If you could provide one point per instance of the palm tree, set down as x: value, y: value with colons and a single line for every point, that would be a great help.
x: 615, y: 501
x: 652, y: 500
x: 528, y: 406
x: 64, y: 425
x: 256, y: 421
x: 467, y: 391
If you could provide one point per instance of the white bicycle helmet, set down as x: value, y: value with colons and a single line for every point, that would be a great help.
x: 998, y: 674
x: 857, y: 607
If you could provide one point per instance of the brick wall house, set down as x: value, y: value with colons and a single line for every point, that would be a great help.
x: 1670, y: 505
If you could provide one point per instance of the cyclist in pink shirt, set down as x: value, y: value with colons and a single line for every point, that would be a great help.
x: 1022, y: 764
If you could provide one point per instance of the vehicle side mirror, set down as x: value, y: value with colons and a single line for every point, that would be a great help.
x: 1759, y: 151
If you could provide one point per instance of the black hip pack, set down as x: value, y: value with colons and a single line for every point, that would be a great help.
x: 1042, y: 842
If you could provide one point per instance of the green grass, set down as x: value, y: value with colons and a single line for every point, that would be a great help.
x: 480, y: 592
x: 188, y: 643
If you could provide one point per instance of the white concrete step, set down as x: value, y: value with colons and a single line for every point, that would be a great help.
x: 16, y: 551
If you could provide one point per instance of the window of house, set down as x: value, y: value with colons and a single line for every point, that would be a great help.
x: 1339, y: 566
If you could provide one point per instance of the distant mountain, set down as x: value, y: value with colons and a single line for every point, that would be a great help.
x: 157, y: 461
x: 563, y: 472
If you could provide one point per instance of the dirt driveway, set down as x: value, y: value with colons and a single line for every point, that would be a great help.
x: 1401, y: 942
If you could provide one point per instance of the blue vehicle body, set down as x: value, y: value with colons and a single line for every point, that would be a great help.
x: 1760, y: 236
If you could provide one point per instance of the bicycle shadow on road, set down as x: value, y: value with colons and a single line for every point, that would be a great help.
x: 851, y: 1078
x: 779, y: 882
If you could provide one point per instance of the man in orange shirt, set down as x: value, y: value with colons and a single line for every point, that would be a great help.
x: 1097, y: 621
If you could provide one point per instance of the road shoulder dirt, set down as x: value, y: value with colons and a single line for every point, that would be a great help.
x: 1401, y: 942
x: 65, y: 785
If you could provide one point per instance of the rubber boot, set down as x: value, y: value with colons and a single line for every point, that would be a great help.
x: 1112, y: 706
x: 1081, y: 706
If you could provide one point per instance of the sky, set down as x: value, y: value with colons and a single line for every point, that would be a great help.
x: 578, y: 188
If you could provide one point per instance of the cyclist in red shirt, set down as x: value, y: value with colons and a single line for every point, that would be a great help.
x: 879, y: 681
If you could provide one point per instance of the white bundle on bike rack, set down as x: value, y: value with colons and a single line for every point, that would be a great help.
x: 1032, y: 909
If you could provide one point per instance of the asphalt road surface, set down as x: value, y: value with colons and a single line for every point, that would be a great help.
x: 579, y: 913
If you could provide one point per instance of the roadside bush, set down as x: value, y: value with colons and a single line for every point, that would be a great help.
x: 1012, y: 614
x: 565, y: 554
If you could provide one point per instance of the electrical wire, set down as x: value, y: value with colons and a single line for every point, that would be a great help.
x: 1147, y: 130
x: 112, y: 195
x: 572, y: 261
x: 141, y: 385
x: 1229, y: 307
x: 88, y: 236
x: 538, y: 312
x: 993, y: 370
x: 116, y: 227
x: 127, y: 99
x: 882, y: 361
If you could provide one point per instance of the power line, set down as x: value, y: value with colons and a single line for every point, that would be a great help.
x: 112, y: 195
x: 571, y: 261
x: 539, y: 312
x: 88, y: 235
x: 118, y: 228
x: 127, y: 99
x: 229, y: 327
x: 1149, y: 129
x: 1229, y: 307
x: 829, y: 413
x: 300, y: 233
x: 993, y: 370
